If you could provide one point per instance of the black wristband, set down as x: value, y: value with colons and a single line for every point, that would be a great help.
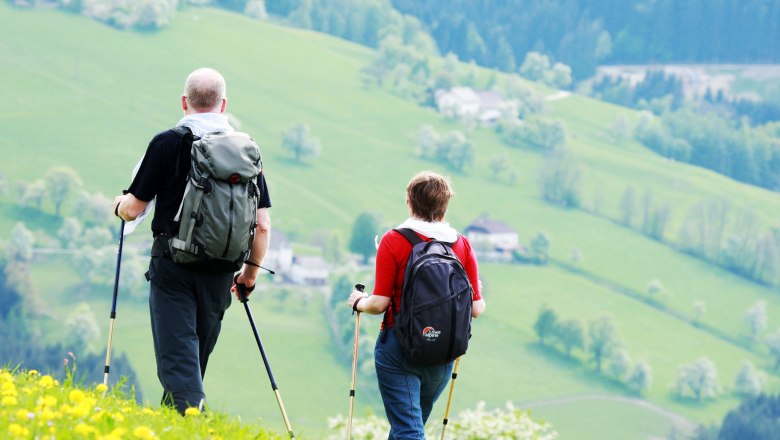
x: 116, y: 209
x: 354, y: 305
x: 251, y: 263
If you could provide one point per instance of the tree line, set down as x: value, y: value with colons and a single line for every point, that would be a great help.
x: 585, y: 33
x: 600, y: 340
x: 757, y: 417
x: 661, y: 92
x: 21, y: 314
x: 498, y: 34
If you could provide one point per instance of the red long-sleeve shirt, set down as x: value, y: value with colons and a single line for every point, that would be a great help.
x: 391, y: 259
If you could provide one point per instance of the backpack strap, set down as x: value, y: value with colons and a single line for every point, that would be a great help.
x: 186, y: 138
x: 413, y: 239
x: 410, y: 235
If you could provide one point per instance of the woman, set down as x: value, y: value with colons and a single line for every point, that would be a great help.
x: 409, y: 391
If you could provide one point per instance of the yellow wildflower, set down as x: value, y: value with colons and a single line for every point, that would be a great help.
x: 18, y: 430
x: 76, y: 396
x: 23, y: 414
x: 9, y: 401
x: 116, y: 434
x: 118, y: 417
x: 98, y: 415
x: 87, y: 404
x: 144, y: 433
x: 148, y: 412
x: 101, y: 388
x: 48, y: 414
x: 33, y: 372
x: 79, y: 411
x: 8, y: 389
x: 84, y: 429
x: 47, y: 402
x: 46, y: 381
x: 192, y: 412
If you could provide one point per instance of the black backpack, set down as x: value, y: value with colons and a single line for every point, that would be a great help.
x: 433, y: 326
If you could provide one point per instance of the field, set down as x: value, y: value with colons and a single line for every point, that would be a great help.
x: 90, y: 97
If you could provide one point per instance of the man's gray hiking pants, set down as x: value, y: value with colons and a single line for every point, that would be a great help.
x: 186, y: 308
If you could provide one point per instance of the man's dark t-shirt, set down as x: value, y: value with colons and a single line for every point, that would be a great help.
x: 158, y: 177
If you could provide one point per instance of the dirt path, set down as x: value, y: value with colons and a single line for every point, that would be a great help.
x: 560, y: 94
x: 679, y: 421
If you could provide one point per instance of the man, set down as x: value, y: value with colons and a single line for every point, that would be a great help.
x: 187, y: 302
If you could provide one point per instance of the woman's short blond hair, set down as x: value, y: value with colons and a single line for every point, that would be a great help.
x: 429, y: 194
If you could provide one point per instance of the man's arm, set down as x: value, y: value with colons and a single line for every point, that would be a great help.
x: 128, y: 207
x: 249, y: 272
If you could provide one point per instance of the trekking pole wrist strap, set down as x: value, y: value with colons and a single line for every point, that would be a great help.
x: 354, y: 305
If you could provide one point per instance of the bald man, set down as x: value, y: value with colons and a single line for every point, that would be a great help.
x: 186, y: 302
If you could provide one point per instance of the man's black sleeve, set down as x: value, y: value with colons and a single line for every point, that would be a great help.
x: 265, y: 199
x: 149, y: 179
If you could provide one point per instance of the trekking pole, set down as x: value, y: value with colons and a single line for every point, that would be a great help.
x: 242, y: 293
x: 449, y: 398
x: 113, y: 305
x: 359, y: 287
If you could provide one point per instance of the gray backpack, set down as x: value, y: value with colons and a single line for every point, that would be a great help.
x: 218, y: 213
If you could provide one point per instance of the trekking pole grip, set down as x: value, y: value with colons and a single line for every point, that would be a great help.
x: 242, y: 290
x: 360, y: 288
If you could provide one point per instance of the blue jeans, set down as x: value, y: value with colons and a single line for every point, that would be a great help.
x: 408, y: 391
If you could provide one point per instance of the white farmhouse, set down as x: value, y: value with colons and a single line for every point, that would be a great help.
x: 493, y: 240
x: 309, y: 271
x: 465, y: 103
x: 279, y: 256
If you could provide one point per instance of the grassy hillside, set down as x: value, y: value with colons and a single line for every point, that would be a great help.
x: 39, y: 406
x: 87, y: 96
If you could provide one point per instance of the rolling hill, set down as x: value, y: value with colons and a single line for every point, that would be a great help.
x: 84, y: 95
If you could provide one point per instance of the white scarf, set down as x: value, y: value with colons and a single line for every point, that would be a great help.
x: 202, y: 123
x: 441, y: 231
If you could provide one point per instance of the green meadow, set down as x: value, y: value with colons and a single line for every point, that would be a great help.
x: 89, y: 97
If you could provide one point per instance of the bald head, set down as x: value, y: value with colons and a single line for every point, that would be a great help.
x: 204, y: 91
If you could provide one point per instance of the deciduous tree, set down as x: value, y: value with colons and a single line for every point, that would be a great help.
x: 756, y: 319
x: 299, y: 141
x: 748, y: 381
x: 699, y: 379
x: 773, y: 343
x: 546, y: 322
x: 364, y: 231
x: 19, y: 247
x: 561, y: 179
x: 640, y: 378
x: 571, y: 334
x: 603, y: 338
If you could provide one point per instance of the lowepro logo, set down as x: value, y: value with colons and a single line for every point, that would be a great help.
x: 431, y: 334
